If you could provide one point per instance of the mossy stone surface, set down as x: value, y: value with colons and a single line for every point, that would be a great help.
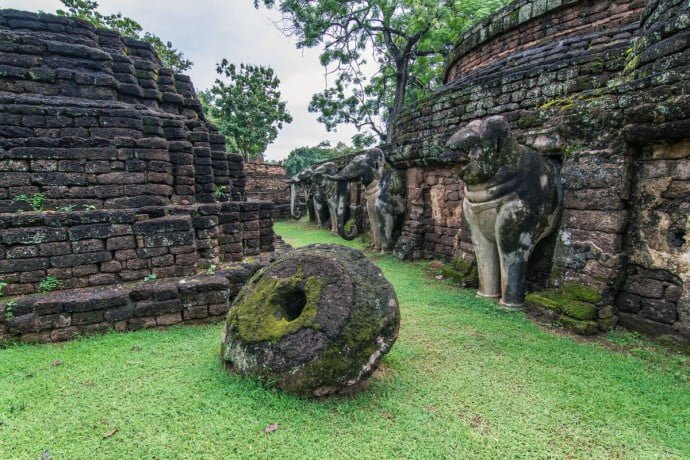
x: 573, y: 300
x: 462, y: 272
x: 578, y: 326
x: 315, y: 322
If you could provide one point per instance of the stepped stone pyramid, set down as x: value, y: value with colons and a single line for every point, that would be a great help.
x: 110, y: 175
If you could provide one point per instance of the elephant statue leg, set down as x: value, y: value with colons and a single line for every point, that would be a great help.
x: 389, y: 226
x: 517, y: 232
x: 489, y: 270
x: 317, y: 211
x: 332, y: 209
x: 374, y: 221
x: 513, y: 277
x: 487, y: 255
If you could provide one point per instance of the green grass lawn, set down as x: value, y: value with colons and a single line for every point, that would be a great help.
x: 464, y: 380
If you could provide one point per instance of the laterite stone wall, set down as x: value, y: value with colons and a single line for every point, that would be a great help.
x: 601, y: 87
x: 111, y: 183
x: 268, y: 182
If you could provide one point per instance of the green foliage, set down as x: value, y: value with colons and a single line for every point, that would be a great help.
x: 49, y: 284
x: 220, y: 191
x: 150, y: 277
x: 464, y: 380
x: 3, y: 285
x: 247, y: 107
x: 303, y: 157
x: 88, y: 10
x: 35, y: 201
x: 9, y: 309
x: 66, y: 208
x: 407, y: 40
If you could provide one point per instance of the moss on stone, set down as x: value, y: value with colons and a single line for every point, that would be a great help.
x: 581, y: 292
x: 528, y: 121
x: 539, y: 300
x: 350, y: 225
x: 562, y: 103
x: 597, y: 66
x: 260, y: 316
x: 606, y: 324
x: 579, y: 310
x: 574, y: 300
x: 462, y: 272
x: 578, y: 326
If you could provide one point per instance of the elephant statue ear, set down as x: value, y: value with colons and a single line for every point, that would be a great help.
x: 497, y: 130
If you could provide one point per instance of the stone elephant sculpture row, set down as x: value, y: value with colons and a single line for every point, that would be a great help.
x: 326, y: 194
x: 513, y: 199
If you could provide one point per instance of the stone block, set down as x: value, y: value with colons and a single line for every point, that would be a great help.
x: 169, y: 319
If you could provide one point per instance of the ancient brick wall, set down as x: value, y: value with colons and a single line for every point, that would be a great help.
x: 95, y: 248
x: 67, y: 314
x: 110, y: 175
x: 655, y: 291
x: 513, y: 29
x: 601, y: 88
x: 267, y: 182
x: 71, y: 94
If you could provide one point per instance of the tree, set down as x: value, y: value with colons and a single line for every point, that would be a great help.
x: 88, y: 10
x: 303, y: 157
x: 248, y: 107
x: 408, y: 40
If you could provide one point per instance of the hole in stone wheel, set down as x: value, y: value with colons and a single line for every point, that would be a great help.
x: 292, y: 303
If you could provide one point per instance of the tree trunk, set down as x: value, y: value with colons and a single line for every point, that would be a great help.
x: 401, y: 76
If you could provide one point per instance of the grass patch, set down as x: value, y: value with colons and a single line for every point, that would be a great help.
x: 465, y: 380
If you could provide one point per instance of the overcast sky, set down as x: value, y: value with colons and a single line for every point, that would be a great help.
x: 209, y: 30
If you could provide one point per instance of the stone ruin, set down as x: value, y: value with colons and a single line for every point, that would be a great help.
x: 602, y: 88
x: 268, y: 182
x: 111, y: 178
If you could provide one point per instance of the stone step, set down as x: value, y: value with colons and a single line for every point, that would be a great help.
x: 63, y: 315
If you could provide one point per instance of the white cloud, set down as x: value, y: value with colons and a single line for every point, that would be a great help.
x: 209, y: 30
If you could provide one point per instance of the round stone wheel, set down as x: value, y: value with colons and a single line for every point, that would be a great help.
x: 317, y: 321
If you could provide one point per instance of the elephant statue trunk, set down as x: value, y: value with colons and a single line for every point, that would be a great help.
x: 325, y: 201
x: 294, y: 212
x: 346, y: 230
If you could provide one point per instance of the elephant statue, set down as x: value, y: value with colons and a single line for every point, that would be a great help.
x: 383, y: 190
x: 302, y: 182
x: 325, y: 197
x: 513, y: 199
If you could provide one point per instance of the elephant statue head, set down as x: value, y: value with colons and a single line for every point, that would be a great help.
x: 363, y: 167
x: 300, y: 181
x: 481, y: 149
x: 512, y: 200
x: 324, y: 194
x: 383, y: 193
